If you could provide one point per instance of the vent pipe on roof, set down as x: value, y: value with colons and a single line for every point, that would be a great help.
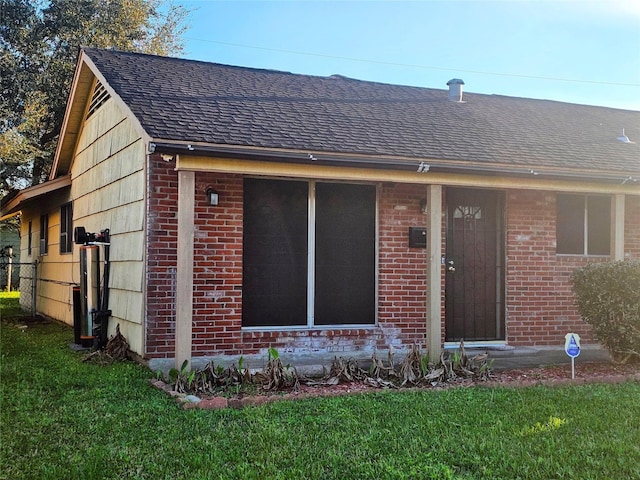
x: 455, y: 89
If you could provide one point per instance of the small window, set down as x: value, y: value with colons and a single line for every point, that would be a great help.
x: 30, y: 238
x: 44, y: 234
x: 583, y: 225
x: 66, y: 228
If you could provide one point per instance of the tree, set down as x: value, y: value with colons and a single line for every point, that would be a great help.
x: 39, y: 44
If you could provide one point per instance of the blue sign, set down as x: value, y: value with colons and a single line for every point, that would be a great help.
x: 572, y: 345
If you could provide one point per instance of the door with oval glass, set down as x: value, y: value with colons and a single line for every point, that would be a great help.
x: 474, y: 265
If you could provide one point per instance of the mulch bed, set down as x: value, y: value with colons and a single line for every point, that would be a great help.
x: 524, y: 377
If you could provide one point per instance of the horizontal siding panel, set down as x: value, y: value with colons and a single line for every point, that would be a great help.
x: 131, y: 159
x: 60, y: 310
x: 127, y: 218
x: 127, y: 246
x: 132, y: 188
x: 55, y: 301
x: 57, y: 271
x: 100, y: 123
x: 121, y: 136
x: 127, y: 276
x: 125, y: 304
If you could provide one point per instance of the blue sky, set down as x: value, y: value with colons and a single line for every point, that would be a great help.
x: 575, y: 51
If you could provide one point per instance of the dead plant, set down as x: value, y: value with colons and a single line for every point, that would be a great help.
x: 116, y: 349
x: 117, y: 346
x: 276, y: 376
x: 414, y: 367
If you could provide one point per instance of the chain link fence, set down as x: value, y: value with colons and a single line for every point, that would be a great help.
x: 17, y: 276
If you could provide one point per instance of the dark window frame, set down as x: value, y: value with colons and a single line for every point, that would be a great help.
x: 66, y: 228
x: 260, y: 275
x: 30, y: 238
x: 44, y: 234
x: 583, y: 225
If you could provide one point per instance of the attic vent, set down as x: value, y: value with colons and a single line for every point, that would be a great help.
x: 100, y: 95
x: 455, y: 89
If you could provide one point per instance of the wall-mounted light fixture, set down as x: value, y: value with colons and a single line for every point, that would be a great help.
x: 423, y: 205
x: 212, y: 197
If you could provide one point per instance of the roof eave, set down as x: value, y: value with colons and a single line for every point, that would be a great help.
x: 385, y: 162
x: 83, y: 80
x: 15, y: 204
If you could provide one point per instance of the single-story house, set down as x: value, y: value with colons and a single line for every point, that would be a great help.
x: 252, y: 208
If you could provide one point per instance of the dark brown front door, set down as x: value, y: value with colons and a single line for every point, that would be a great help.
x: 474, y: 265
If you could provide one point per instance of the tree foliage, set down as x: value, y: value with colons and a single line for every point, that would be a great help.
x: 39, y: 42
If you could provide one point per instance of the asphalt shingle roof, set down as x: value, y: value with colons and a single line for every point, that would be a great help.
x: 176, y: 99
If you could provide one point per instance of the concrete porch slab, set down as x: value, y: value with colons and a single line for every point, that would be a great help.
x: 525, y: 357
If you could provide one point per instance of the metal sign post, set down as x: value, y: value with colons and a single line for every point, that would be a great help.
x: 572, y: 347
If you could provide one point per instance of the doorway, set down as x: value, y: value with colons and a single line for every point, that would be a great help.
x: 474, y: 265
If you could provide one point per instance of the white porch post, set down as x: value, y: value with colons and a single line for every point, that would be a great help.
x: 434, y: 269
x: 184, y: 274
x: 617, y: 227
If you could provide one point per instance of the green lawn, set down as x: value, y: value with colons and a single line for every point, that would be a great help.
x: 62, y: 418
x: 10, y: 304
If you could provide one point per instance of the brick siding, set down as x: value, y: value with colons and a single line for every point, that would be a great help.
x: 162, y: 229
x: 540, y: 303
x: 539, y: 298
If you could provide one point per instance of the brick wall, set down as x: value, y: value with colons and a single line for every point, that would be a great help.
x: 402, y: 288
x: 540, y: 308
x: 162, y: 230
x: 401, y: 295
x: 539, y: 298
x: 217, y: 283
x: 217, y: 316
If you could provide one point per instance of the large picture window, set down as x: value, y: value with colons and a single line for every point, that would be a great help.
x: 309, y: 253
x: 583, y: 225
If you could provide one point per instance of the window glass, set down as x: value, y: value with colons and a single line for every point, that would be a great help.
x: 66, y: 227
x: 598, y: 225
x: 583, y: 225
x: 570, y: 224
x: 345, y: 254
x: 44, y: 234
x: 275, y: 253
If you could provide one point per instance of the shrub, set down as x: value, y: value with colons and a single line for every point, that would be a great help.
x: 608, y: 298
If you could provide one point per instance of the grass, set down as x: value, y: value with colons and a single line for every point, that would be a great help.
x: 10, y: 304
x: 62, y: 418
